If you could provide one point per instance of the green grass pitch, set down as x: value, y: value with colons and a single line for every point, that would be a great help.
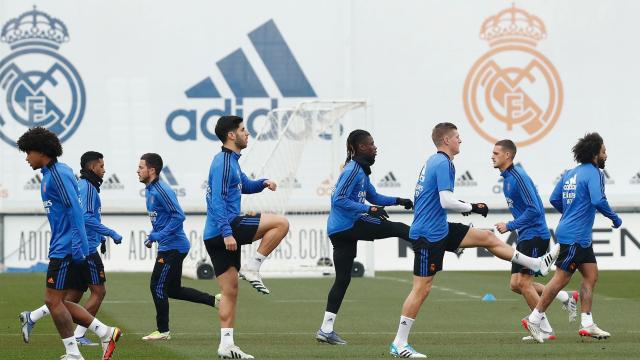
x: 453, y: 323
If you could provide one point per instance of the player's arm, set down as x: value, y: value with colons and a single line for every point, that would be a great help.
x: 89, y: 214
x: 169, y: 202
x: 378, y: 199
x: 556, y: 196
x: 252, y: 186
x: 347, y: 181
x: 219, y: 180
x: 599, y: 199
x: 67, y: 190
x: 531, y: 212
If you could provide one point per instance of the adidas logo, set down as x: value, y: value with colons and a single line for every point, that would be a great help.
x: 112, y: 183
x: 50, y: 280
x: 265, y: 72
x: 403, y: 322
x: 570, y: 184
x: 227, y: 334
x: 635, y: 179
x: 389, y: 180
x: 329, y: 320
x: 466, y: 180
x: 607, y: 178
x: 34, y: 183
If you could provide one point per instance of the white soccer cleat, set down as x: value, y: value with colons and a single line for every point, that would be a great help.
x: 157, y: 335
x: 254, y: 278
x: 216, y: 301
x: 109, y: 346
x: 71, y: 357
x: 548, y: 259
x: 406, y: 351
x: 26, y: 325
x: 534, y: 329
x: 545, y: 336
x: 594, y: 331
x: 571, y: 306
x: 233, y: 352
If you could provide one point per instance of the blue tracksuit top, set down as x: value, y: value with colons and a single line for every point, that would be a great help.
x: 430, y: 218
x: 91, y: 206
x: 166, y: 217
x: 525, y: 205
x: 348, y: 198
x: 225, y: 186
x: 63, y: 206
x: 578, y: 194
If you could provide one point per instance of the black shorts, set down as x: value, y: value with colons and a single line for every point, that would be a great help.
x: 89, y: 273
x: 368, y: 229
x: 244, y: 229
x: 167, y: 273
x: 572, y: 256
x: 534, y: 247
x: 427, y: 260
x: 58, y: 273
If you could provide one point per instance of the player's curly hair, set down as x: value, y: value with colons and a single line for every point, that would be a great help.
x: 41, y: 140
x: 587, y: 148
x: 355, y: 138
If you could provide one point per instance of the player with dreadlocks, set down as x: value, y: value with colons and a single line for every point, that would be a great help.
x: 351, y: 220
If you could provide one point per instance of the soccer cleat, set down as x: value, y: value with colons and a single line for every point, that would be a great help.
x: 545, y: 336
x: 406, y: 351
x: 330, y: 338
x: 109, y: 347
x: 254, y: 278
x: 26, y: 325
x: 594, y: 331
x: 157, y: 335
x: 233, y: 352
x: 84, y: 341
x: 71, y: 357
x: 216, y: 301
x: 571, y: 306
x: 534, y: 329
x: 548, y: 259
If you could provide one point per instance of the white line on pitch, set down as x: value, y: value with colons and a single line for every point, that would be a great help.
x: 457, y: 292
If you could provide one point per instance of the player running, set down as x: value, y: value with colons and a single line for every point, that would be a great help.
x: 578, y: 194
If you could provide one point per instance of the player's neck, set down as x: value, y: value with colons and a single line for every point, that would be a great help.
x: 233, y: 147
x: 505, y: 166
x: 448, y: 152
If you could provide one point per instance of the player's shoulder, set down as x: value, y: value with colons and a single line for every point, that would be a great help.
x: 438, y: 160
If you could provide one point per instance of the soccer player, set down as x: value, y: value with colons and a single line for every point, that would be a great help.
x: 578, y: 194
x: 167, y: 220
x: 432, y: 235
x: 91, y: 174
x: 531, y: 228
x: 351, y: 220
x: 226, y: 230
x: 68, y: 245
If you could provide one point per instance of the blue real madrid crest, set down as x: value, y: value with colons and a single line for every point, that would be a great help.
x: 38, y: 85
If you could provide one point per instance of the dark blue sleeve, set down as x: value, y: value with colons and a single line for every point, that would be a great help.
x: 90, y: 195
x: 348, y: 179
x: 219, y: 180
x: 251, y: 186
x: 598, y: 198
x: 66, y: 186
x: 378, y: 199
x: 556, y: 196
x: 169, y: 202
x: 527, y: 195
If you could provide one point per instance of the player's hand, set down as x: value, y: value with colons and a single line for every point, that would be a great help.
x: 117, y: 238
x: 270, y: 184
x: 148, y: 242
x: 480, y: 208
x: 230, y: 243
x: 407, y: 203
x: 501, y: 227
x: 617, y: 222
x: 378, y: 211
x: 103, y: 246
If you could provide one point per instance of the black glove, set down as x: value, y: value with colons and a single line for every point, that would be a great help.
x: 480, y: 208
x: 407, y: 203
x: 378, y: 211
x: 103, y: 246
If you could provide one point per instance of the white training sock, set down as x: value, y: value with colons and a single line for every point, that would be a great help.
x: 226, y: 337
x: 544, y: 324
x: 402, y: 336
x: 103, y: 331
x: 327, y: 322
x: 526, y: 261
x: 255, y: 262
x: 71, y: 346
x: 39, y: 313
x: 562, y: 296
x: 80, y: 331
x: 586, y: 319
x: 535, y: 317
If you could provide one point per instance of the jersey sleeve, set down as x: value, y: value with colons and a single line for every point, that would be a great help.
x: 169, y: 202
x: 347, y: 181
x: 527, y: 193
x: 597, y: 195
x: 556, y: 196
x: 378, y: 199
x: 67, y: 188
x: 251, y: 186
x: 90, y: 197
x: 219, y: 180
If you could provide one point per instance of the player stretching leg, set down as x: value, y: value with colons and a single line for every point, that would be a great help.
x: 226, y: 230
x: 578, y: 194
x: 68, y: 245
x: 351, y: 220
x: 531, y: 228
x: 432, y: 235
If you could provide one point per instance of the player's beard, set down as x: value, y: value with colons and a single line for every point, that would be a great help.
x: 601, y: 162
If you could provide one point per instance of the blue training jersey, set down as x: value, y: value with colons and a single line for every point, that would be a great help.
x: 578, y: 194
x: 63, y: 206
x: 348, y: 199
x: 225, y: 186
x: 430, y: 218
x: 92, y: 207
x: 525, y: 205
x: 166, y: 217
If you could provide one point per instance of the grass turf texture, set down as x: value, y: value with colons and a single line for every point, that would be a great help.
x: 453, y: 324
